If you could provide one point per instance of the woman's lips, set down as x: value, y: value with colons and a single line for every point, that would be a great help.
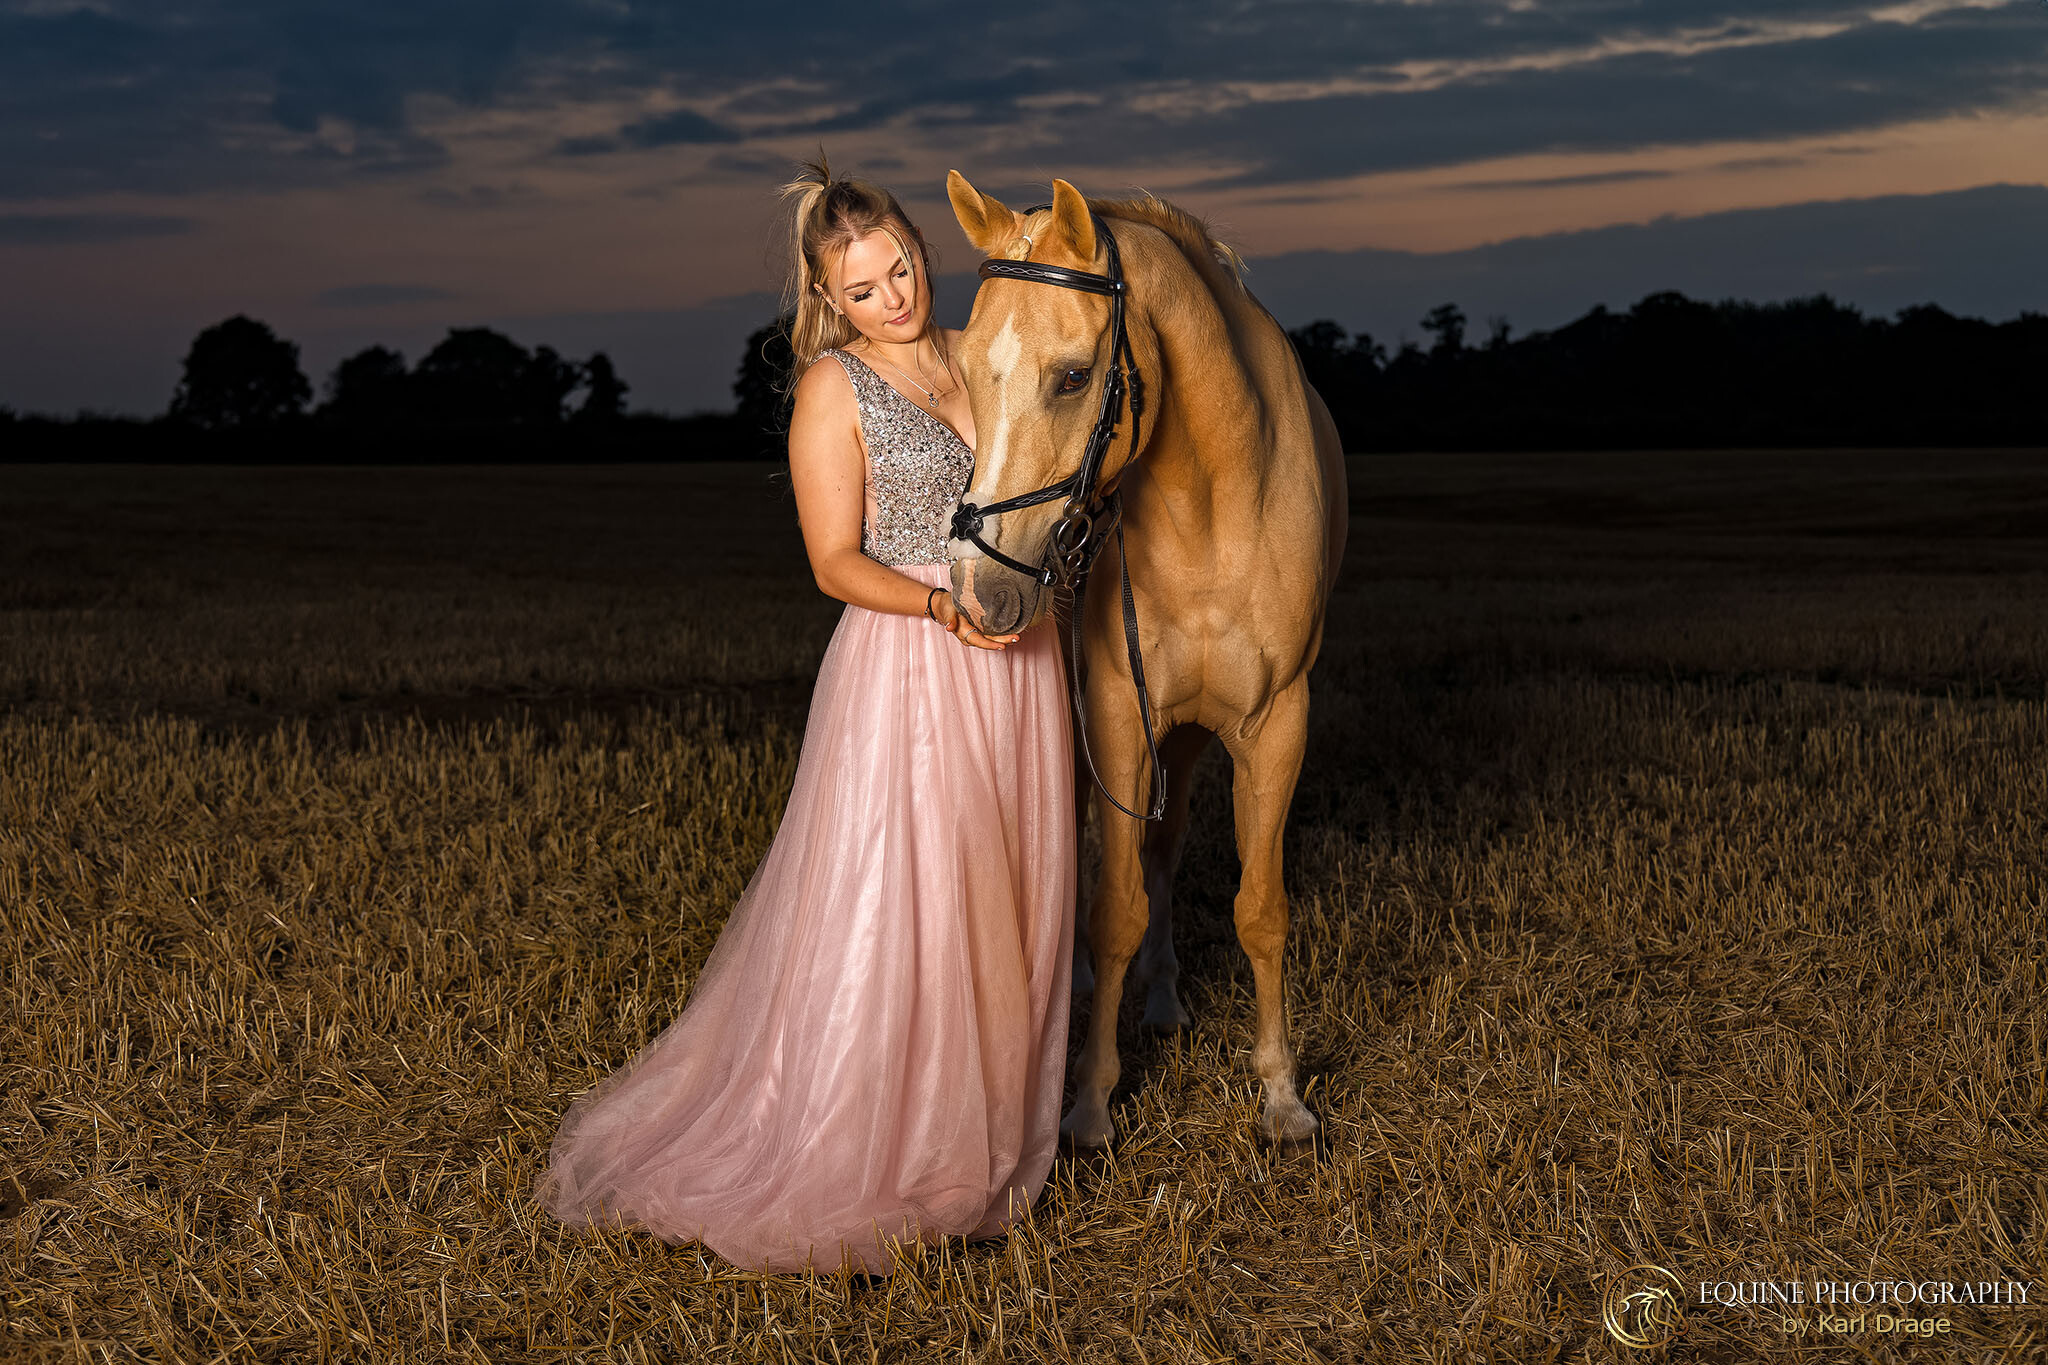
x: 899, y: 321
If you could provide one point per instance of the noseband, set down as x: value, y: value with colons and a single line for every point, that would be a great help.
x: 1088, y: 514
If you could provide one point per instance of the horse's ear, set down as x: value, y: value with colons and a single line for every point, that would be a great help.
x: 988, y: 222
x: 1072, y: 223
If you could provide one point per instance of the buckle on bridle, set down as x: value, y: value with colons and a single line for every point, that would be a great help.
x: 1070, y: 548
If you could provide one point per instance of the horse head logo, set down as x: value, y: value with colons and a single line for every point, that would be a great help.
x: 1643, y: 1306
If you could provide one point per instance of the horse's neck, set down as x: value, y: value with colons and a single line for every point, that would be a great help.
x: 1204, y: 400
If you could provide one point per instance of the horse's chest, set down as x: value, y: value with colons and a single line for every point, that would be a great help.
x: 1201, y: 667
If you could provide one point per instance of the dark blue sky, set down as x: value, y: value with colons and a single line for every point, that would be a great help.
x: 600, y: 173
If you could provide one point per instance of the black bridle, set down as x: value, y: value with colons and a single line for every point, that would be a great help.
x: 1087, y: 511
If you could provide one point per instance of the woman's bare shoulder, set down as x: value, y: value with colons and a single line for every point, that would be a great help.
x: 824, y: 388
x: 824, y: 415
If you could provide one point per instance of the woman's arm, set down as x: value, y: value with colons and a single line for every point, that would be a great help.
x: 828, y: 471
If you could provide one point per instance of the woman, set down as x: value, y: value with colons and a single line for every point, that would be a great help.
x: 874, y: 1051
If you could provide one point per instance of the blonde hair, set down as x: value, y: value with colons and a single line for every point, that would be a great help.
x: 830, y: 213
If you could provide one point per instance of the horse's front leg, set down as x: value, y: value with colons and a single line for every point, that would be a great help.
x: 1266, y: 763
x: 1116, y: 925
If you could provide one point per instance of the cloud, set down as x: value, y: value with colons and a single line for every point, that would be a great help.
x: 677, y: 127
x: 379, y: 295
x: 476, y: 196
x: 1758, y: 163
x: 1865, y: 77
x: 71, y: 229
x: 594, y: 144
x: 1540, y: 182
x: 169, y: 100
x: 143, y: 96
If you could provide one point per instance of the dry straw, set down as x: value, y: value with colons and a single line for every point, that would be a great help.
x: 1667, y: 875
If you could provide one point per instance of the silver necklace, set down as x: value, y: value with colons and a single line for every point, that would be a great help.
x: 931, y: 396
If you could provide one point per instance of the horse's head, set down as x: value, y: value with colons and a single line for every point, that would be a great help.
x: 1035, y: 359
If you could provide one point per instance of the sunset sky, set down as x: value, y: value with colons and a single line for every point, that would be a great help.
x: 600, y: 174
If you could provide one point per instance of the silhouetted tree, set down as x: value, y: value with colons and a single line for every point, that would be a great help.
x: 240, y: 374
x: 1345, y: 372
x: 1679, y: 372
x: 545, y: 387
x: 763, y: 365
x: 605, y: 398
x: 371, y: 387
x: 1446, y: 322
x: 475, y: 376
x: 1407, y: 361
x: 1366, y: 354
x: 1320, y: 344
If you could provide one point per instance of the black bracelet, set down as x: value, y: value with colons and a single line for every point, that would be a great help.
x: 928, y: 601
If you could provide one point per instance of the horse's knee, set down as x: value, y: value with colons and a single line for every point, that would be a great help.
x: 1261, y: 928
x: 1115, y: 940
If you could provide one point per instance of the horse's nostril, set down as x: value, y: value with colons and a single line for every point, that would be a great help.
x: 1004, y: 608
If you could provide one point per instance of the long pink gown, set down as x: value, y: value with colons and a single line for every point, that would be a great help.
x: 875, y: 1048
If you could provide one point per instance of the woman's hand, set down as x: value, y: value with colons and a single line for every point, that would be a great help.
x: 956, y: 622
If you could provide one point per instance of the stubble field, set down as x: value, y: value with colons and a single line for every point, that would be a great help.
x: 1668, y: 878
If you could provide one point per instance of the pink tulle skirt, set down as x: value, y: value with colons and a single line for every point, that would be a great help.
x: 875, y: 1048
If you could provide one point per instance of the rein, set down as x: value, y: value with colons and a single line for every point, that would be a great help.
x: 1087, y: 512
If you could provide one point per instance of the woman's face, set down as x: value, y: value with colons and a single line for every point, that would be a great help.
x: 881, y: 293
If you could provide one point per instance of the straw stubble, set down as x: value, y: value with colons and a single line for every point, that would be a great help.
x: 1667, y: 880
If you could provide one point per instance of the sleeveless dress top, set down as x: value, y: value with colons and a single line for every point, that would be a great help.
x: 872, y: 1055
x: 917, y: 469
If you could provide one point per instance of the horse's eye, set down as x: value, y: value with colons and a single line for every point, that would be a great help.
x: 1074, y: 381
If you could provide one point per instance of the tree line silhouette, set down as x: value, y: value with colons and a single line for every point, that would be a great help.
x: 241, y: 376
x: 1674, y: 372
x: 1670, y: 372
x: 476, y: 396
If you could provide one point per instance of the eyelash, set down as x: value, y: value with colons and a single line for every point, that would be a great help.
x: 863, y: 294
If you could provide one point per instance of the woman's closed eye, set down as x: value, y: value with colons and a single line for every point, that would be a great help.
x: 865, y: 292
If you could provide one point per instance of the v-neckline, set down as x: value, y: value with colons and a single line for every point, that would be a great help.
x: 915, y: 406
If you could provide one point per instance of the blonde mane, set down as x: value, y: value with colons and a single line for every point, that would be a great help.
x: 1218, y: 262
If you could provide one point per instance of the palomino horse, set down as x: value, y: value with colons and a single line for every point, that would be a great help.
x: 1234, y: 510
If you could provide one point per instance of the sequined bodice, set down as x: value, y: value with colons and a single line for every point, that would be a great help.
x: 917, y: 470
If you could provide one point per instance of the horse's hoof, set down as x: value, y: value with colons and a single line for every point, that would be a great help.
x: 1163, y: 1013
x: 1086, y: 1128
x: 1289, y: 1124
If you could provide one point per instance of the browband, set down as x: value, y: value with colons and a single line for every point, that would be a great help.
x: 1038, y: 272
